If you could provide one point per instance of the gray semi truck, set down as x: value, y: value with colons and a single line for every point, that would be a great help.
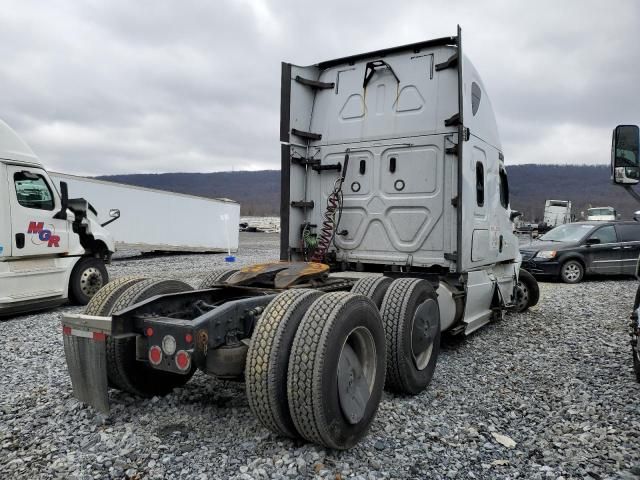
x: 391, y: 168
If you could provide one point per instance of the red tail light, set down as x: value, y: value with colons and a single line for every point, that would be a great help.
x: 155, y: 355
x: 188, y: 338
x: 183, y: 360
x: 149, y: 332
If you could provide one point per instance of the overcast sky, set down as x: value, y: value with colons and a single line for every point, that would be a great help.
x: 98, y: 87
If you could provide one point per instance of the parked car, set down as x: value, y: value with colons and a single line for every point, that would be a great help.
x: 572, y: 250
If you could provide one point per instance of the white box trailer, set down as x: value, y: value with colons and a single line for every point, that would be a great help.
x: 157, y: 220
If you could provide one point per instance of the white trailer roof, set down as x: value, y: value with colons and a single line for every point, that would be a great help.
x: 126, y: 185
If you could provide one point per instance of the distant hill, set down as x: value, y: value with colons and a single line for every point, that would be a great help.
x: 586, y: 186
x: 259, y: 192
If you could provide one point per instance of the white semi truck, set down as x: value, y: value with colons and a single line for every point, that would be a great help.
x: 392, y: 169
x: 602, y: 214
x: 557, y: 212
x: 52, y: 248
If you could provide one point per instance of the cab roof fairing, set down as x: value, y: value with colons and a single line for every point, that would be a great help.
x: 13, y: 148
x: 483, y: 124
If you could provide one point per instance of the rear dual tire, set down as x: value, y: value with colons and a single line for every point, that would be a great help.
x: 124, y: 371
x: 411, y: 318
x: 336, y: 370
x: 268, y: 359
x: 215, y: 277
x: 316, y: 366
x: 372, y: 287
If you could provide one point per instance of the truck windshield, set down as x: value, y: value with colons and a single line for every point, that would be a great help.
x: 567, y: 233
x: 601, y: 211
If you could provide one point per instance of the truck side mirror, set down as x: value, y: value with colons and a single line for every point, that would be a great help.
x: 64, y: 202
x: 625, y: 155
x: 114, y: 213
x: 514, y: 214
x: 636, y: 216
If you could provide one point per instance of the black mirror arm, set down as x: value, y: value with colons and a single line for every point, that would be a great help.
x: 64, y: 202
x: 632, y: 192
x: 110, y: 221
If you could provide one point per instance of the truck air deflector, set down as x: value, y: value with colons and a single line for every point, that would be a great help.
x: 416, y: 47
x: 285, y: 102
x: 285, y: 196
x: 459, y: 151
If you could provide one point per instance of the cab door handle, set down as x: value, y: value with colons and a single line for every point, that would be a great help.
x: 627, y: 248
x: 19, y: 240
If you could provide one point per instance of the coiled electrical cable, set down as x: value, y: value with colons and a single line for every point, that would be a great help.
x: 329, y: 223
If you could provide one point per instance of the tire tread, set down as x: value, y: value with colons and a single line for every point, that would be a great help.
x: 306, y: 361
x: 215, y: 277
x: 261, y: 378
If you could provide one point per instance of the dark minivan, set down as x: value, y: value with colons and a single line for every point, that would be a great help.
x: 572, y: 250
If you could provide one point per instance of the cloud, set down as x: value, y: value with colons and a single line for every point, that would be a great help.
x: 114, y: 87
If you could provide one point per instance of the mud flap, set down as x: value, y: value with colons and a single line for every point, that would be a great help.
x: 85, y: 351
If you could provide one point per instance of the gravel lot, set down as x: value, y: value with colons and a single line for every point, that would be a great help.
x: 557, y: 381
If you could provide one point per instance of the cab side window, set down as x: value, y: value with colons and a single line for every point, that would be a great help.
x: 504, y: 188
x: 605, y: 234
x: 32, y: 191
x: 479, y: 184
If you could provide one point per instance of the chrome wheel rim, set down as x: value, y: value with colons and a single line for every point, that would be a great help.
x: 91, y: 281
x: 356, y: 373
x: 423, y: 332
x: 571, y: 272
